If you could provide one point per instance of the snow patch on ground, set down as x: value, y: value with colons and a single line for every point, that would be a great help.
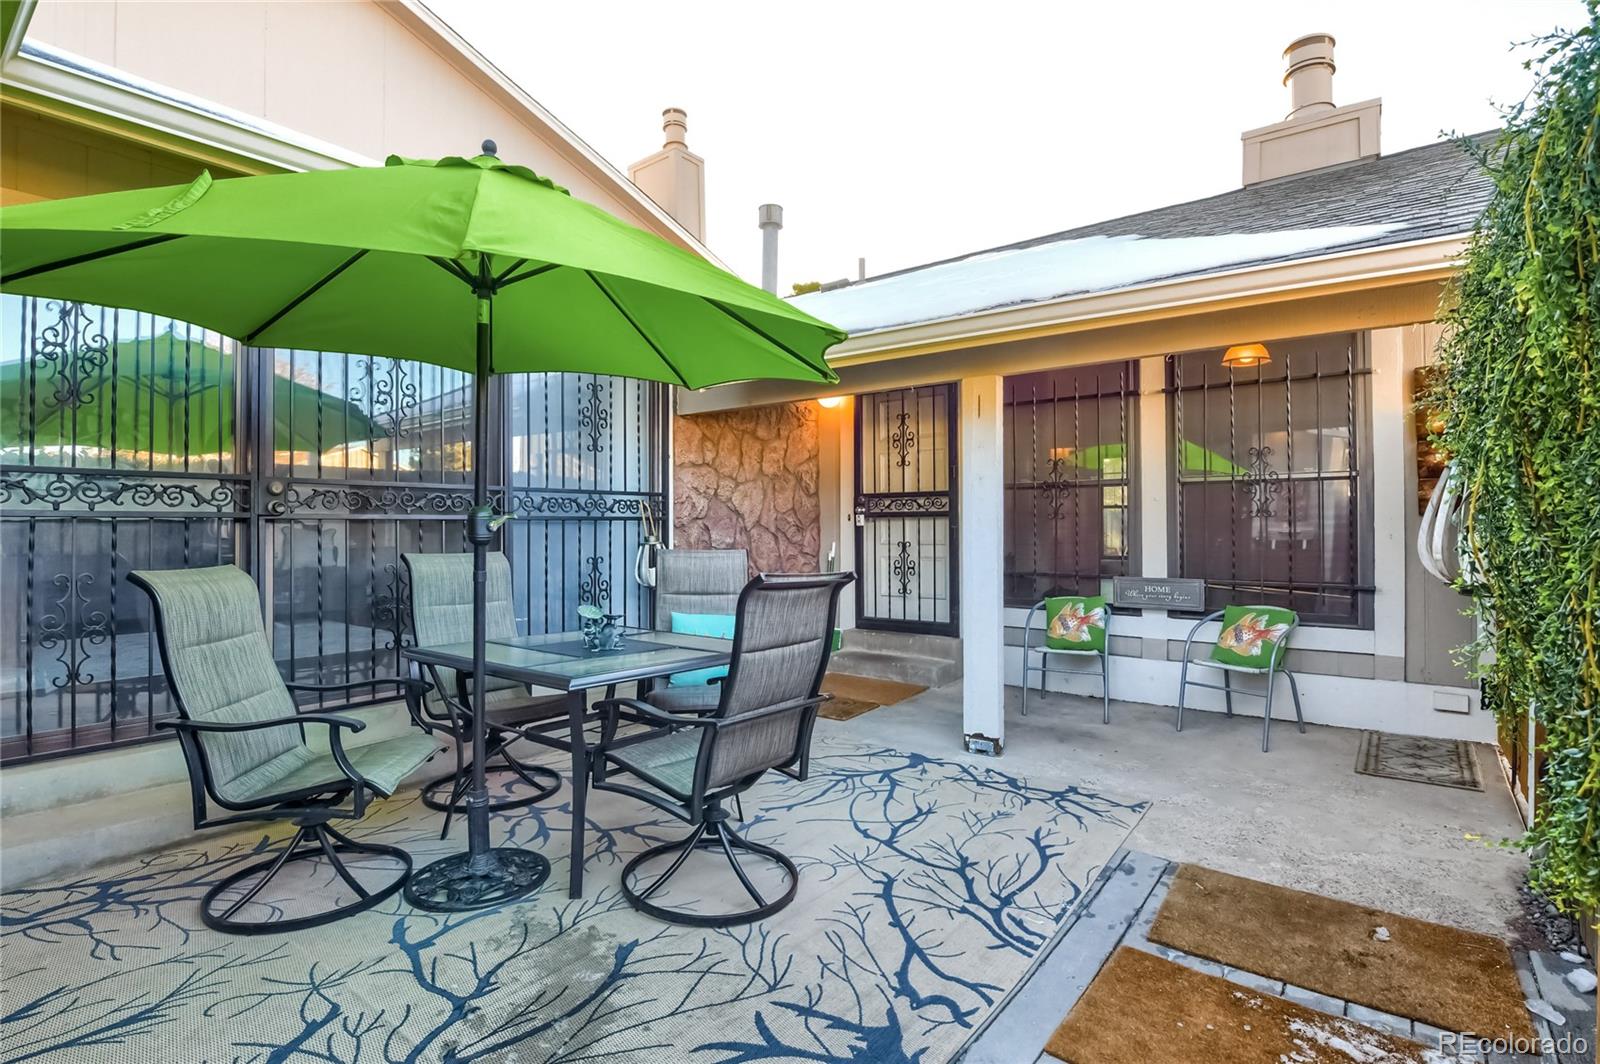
x: 1343, y: 1042
x: 1059, y: 268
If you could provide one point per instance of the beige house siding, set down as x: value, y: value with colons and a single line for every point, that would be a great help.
x: 354, y: 73
x: 45, y: 158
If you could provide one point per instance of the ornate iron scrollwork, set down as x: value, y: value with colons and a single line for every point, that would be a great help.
x: 594, y: 416
x: 71, y: 628
x: 927, y: 504
x: 72, y: 490
x: 534, y: 503
x: 77, y: 350
x: 297, y: 498
x: 903, y: 440
x: 595, y: 588
x: 1263, y: 484
x: 904, y: 568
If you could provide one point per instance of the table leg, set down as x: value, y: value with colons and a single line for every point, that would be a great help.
x: 577, y: 705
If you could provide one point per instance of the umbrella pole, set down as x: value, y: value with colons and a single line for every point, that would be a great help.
x: 484, y: 875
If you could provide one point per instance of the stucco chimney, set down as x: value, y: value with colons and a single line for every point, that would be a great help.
x: 675, y: 177
x: 770, y: 218
x: 1316, y: 133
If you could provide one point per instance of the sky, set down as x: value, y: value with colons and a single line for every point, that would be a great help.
x: 906, y: 133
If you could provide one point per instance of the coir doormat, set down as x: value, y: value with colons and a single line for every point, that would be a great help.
x: 1452, y: 979
x: 1144, y: 1009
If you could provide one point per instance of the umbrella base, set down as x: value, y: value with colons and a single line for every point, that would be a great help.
x: 458, y: 883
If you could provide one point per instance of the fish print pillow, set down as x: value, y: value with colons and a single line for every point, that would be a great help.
x: 1075, y: 623
x: 1250, y: 634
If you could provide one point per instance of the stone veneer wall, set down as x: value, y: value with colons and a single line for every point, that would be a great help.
x: 748, y: 478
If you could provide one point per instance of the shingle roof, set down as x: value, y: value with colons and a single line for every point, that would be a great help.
x: 1433, y: 191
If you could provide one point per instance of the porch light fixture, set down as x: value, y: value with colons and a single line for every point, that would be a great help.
x: 828, y: 402
x: 1241, y: 355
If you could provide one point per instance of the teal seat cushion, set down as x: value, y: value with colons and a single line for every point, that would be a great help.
x: 715, y: 625
x: 1250, y: 635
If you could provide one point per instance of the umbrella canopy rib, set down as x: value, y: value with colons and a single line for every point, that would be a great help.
x: 524, y: 275
x: 90, y: 256
x: 769, y: 338
x: 629, y: 318
x: 250, y: 337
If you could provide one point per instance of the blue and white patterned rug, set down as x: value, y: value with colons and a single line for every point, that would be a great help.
x: 927, y: 888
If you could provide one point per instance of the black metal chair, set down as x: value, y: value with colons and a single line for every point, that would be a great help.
x: 441, y: 614
x: 763, y: 719
x: 244, y: 742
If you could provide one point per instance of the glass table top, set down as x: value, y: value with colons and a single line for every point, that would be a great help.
x: 559, y: 659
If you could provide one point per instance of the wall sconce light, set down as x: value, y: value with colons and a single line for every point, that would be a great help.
x: 828, y: 402
x: 1242, y: 355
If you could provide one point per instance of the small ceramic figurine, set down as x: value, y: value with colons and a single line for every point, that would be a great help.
x: 601, y: 630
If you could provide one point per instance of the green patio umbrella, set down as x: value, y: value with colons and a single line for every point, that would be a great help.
x: 469, y: 263
x: 164, y: 395
x: 1196, y: 459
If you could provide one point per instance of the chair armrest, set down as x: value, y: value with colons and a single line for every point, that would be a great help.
x: 1216, y: 615
x: 1027, y: 628
x: 644, y: 709
x: 335, y: 722
x: 413, y: 683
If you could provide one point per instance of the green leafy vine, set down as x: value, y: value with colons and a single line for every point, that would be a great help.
x: 1521, y: 401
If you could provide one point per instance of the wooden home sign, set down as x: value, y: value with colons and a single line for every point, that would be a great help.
x: 1158, y: 594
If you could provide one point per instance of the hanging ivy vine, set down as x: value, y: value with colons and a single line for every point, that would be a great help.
x: 1521, y: 399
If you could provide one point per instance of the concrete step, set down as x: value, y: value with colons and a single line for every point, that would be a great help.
x: 892, y: 665
x: 945, y: 647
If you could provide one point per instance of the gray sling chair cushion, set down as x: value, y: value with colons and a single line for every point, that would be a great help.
x: 221, y: 669
x: 695, y: 581
x: 441, y: 614
x: 779, y: 647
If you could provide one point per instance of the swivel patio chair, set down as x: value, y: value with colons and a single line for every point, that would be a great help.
x: 763, y: 719
x: 1075, y: 628
x: 245, y: 745
x: 441, y: 614
x: 697, y: 592
x: 1254, y: 641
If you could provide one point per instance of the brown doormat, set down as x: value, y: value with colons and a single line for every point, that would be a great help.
x: 1452, y: 979
x: 854, y: 695
x: 1441, y: 762
x: 1144, y: 1009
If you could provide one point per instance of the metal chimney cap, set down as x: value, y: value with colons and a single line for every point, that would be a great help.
x: 675, y: 124
x: 770, y: 216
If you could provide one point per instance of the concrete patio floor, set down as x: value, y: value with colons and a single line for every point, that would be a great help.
x: 1299, y: 816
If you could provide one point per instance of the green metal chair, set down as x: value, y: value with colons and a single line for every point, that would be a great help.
x: 441, y: 614
x: 1076, y: 627
x: 690, y: 766
x: 1253, y: 641
x: 244, y: 742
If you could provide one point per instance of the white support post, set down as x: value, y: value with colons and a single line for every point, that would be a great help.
x: 1152, y: 475
x: 982, y: 502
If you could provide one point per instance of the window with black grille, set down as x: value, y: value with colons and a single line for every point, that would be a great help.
x: 1069, y: 516
x: 1270, y: 464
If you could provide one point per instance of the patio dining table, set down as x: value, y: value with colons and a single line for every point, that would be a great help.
x: 560, y: 660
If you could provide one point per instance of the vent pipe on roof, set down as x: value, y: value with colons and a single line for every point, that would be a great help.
x: 770, y: 218
x: 1309, y: 75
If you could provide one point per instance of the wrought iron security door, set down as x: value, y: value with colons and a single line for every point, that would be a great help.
x: 905, y: 510
x: 132, y: 441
